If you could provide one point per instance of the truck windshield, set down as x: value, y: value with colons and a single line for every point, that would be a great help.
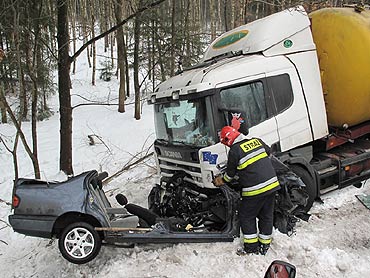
x: 186, y: 122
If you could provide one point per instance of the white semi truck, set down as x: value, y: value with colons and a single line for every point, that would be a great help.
x: 301, y: 83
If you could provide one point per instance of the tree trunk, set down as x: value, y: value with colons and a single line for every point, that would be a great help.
x: 152, y: 52
x: 186, y: 43
x: 4, y: 119
x: 173, y: 32
x: 237, y: 14
x: 88, y: 49
x: 213, y: 20
x: 127, y: 70
x: 35, y: 73
x: 15, y: 158
x: 34, y: 130
x: 136, y: 67
x: 227, y: 27
x: 93, y: 50
x: 85, y: 23
x: 121, y: 60
x: 22, y: 91
x: 232, y: 15
x: 44, y: 102
x: 64, y: 64
x: 73, y: 23
x: 112, y: 38
x: 149, y: 55
x: 160, y: 58
x: 104, y: 25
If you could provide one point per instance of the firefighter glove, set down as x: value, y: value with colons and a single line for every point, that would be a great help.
x: 218, y: 181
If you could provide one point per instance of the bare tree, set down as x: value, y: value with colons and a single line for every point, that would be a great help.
x: 136, y: 66
x: 118, y: 8
x: 4, y: 118
x: 65, y: 109
x: 93, y: 46
x: 17, y: 124
x: 20, y: 72
x: 173, y: 34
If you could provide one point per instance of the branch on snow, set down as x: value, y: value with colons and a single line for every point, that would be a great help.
x: 126, y: 167
x: 92, y: 141
x: 101, y: 103
x: 94, y: 103
x: 5, y: 145
x: 5, y: 202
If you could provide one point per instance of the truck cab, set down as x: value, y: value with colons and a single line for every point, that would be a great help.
x: 267, y: 73
x: 271, y: 78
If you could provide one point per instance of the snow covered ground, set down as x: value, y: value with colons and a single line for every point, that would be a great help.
x: 335, y: 242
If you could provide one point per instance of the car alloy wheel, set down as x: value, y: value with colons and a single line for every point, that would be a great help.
x: 79, y: 243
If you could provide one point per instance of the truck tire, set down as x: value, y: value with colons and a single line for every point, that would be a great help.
x: 79, y: 243
x: 311, y: 188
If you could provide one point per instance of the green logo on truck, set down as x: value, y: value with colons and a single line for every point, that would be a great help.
x: 288, y: 43
x: 230, y: 39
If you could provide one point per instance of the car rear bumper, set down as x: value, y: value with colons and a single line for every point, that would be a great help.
x: 37, y: 226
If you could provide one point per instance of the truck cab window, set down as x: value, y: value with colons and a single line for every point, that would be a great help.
x: 185, y: 122
x: 281, y: 89
x: 249, y: 98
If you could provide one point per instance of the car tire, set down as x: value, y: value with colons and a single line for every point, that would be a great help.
x: 311, y: 188
x: 79, y: 243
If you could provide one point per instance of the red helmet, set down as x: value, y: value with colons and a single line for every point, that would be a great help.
x: 228, y: 135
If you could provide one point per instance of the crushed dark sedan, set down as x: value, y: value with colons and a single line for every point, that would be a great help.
x: 79, y: 214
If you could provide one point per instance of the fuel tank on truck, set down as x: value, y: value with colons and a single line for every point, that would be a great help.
x: 342, y: 38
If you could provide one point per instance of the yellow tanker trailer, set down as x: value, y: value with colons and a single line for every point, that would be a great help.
x: 342, y: 38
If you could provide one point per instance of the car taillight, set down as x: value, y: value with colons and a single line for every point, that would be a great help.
x: 16, y: 201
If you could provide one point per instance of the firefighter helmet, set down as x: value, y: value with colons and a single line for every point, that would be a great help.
x: 228, y: 135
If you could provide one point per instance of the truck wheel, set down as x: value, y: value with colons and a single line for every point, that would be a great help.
x: 311, y: 188
x: 79, y: 243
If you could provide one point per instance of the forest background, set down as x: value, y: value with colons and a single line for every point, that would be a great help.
x: 153, y: 40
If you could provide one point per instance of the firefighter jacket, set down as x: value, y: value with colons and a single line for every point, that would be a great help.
x: 249, y: 160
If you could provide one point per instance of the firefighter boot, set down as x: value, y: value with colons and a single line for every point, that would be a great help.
x: 248, y: 249
x: 263, y: 248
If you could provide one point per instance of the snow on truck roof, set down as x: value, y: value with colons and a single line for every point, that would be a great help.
x: 198, y: 79
x: 262, y: 36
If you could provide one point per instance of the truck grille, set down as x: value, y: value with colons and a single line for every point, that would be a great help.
x: 169, y: 166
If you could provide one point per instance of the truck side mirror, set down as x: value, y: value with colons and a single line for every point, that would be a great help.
x: 280, y: 269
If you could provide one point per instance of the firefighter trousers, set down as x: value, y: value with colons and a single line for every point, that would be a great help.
x: 251, y: 209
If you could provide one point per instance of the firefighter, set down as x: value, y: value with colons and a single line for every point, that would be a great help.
x: 248, y: 159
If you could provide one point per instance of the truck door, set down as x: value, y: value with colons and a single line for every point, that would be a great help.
x: 253, y: 100
x: 291, y: 113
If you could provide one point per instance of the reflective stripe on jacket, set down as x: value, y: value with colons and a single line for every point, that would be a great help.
x: 249, y: 159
